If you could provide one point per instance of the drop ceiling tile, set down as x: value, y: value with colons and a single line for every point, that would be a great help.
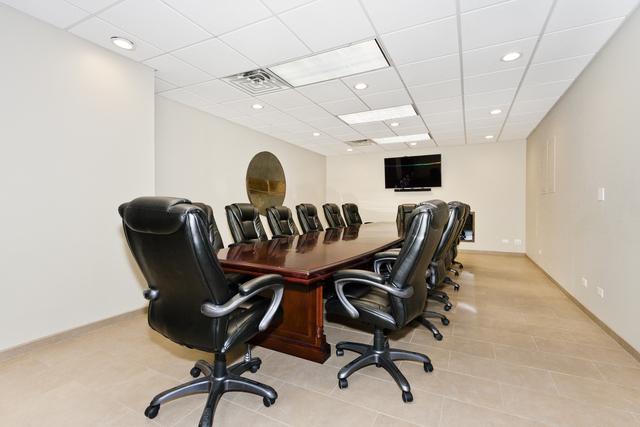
x: 485, y: 122
x: 431, y: 71
x: 414, y: 130
x: 344, y: 133
x: 162, y: 86
x: 440, y: 106
x: 266, y: 43
x: 92, y: 6
x: 450, y: 142
x: 220, y: 110
x: 310, y: 112
x: 505, y: 79
x: 456, y: 134
x: 155, y: 22
x: 373, y: 148
x: 539, y: 105
x: 489, y: 99
x: 503, y: 22
x: 488, y: 59
x: 392, y: 98
x: 175, y: 71
x: 446, y: 128
x: 278, y: 6
x: 574, y: 13
x: 215, y: 57
x: 383, y: 80
x: 286, y: 99
x: 417, y: 43
x: 394, y: 147
x: 546, y: 90
x: 434, y: 92
x: 100, y: 33
x: 221, y: 16
x: 526, y: 117
x: 217, y: 91
x: 345, y: 106
x: 485, y: 112
x: 244, y: 107
x: 443, y: 118
x: 417, y: 145
x: 565, y: 69
x: 373, y: 130
x: 405, y: 122
x: 278, y: 118
x: 333, y: 90
x: 346, y: 19
x: 515, y: 134
x: 481, y: 132
x: 467, y: 5
x: 579, y: 41
x: 326, y: 123
x: 55, y: 12
x: 388, y: 16
x: 185, y: 97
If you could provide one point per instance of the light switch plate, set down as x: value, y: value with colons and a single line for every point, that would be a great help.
x: 601, y: 194
x: 600, y: 291
x: 585, y: 283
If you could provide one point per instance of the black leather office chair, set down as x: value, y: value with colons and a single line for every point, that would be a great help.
x: 214, y: 234
x: 351, y: 214
x: 244, y: 223
x: 333, y: 216
x: 280, y: 221
x: 308, y: 218
x: 389, y: 303
x: 454, y: 247
x: 439, y: 265
x: 402, y: 216
x: 191, y: 303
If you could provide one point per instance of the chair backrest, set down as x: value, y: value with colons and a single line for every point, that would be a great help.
x: 404, y: 211
x: 281, y: 222
x: 351, y: 214
x: 449, y: 234
x: 308, y: 218
x: 168, y: 238
x: 244, y: 223
x: 426, y: 223
x: 214, y: 234
x: 333, y: 216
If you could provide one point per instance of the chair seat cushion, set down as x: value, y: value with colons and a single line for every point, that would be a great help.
x: 373, y: 305
x: 243, y: 322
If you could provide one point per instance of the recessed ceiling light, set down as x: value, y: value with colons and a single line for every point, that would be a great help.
x: 349, y: 149
x: 378, y: 115
x: 361, y: 86
x: 354, y: 59
x: 488, y: 137
x: 402, y: 138
x: 511, y: 56
x: 123, y: 43
x: 316, y: 134
x: 395, y: 124
x: 413, y: 144
x: 496, y: 112
x: 257, y: 107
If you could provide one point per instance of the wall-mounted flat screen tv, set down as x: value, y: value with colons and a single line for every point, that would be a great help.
x: 413, y: 172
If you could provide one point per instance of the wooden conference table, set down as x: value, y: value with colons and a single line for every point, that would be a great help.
x: 305, y: 262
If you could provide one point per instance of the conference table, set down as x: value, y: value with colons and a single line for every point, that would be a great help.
x: 306, y: 262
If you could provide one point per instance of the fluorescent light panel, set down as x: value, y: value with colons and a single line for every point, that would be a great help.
x: 402, y: 138
x: 354, y: 59
x: 379, y: 115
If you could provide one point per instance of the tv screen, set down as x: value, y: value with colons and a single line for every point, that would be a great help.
x: 413, y: 172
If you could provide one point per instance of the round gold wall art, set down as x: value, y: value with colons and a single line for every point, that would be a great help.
x: 266, y: 184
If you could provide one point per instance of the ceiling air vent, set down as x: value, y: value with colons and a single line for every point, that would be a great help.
x: 360, y: 143
x: 257, y: 82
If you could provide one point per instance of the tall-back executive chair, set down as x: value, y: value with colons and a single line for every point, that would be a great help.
x: 190, y: 301
x: 308, y: 218
x: 333, y: 216
x: 454, y: 248
x: 281, y: 222
x: 351, y: 214
x: 214, y: 234
x: 390, y: 303
x: 244, y: 223
x: 404, y: 211
x: 438, y: 268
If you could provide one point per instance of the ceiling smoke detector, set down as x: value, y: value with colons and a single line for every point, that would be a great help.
x: 257, y: 82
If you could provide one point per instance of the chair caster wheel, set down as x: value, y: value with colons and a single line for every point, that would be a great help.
x: 407, y: 396
x: 151, y: 411
x: 195, y: 372
x: 343, y: 383
x: 268, y: 401
x: 438, y: 336
x: 339, y: 352
x: 456, y: 287
x: 457, y: 274
x: 444, y: 321
x: 448, y: 306
x: 428, y: 367
x: 255, y: 368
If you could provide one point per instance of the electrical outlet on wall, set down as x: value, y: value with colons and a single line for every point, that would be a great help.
x: 600, y: 291
x: 517, y: 242
x: 585, y: 283
x: 505, y: 241
x: 601, y: 194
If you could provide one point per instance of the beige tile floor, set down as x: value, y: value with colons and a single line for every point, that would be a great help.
x: 517, y: 353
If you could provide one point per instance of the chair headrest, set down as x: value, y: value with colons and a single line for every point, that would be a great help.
x: 440, y: 212
x: 244, y: 211
x: 310, y: 209
x: 155, y: 215
x: 332, y: 207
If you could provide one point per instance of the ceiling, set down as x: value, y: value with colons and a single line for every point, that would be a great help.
x: 445, y: 58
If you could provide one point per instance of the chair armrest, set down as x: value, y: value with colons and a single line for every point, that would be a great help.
x: 384, y: 259
x: 247, y: 291
x: 363, y: 277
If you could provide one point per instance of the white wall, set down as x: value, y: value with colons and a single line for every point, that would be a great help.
x: 77, y: 140
x: 205, y: 158
x: 490, y: 177
x: 570, y: 233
